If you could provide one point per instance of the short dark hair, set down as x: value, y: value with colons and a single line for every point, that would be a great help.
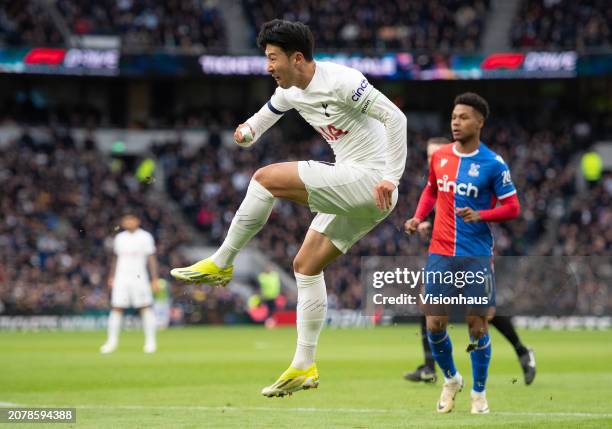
x: 130, y: 211
x: 289, y: 36
x: 475, y: 101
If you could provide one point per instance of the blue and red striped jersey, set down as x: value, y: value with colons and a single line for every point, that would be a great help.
x: 476, y: 180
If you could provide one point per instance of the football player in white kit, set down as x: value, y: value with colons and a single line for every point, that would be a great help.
x: 134, y: 250
x: 368, y: 136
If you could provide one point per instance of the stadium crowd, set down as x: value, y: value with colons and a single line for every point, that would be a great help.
x: 209, y: 184
x: 60, y: 208
x: 26, y: 23
x: 140, y: 23
x: 562, y: 24
x: 435, y: 25
x: 59, y: 212
x: 148, y: 23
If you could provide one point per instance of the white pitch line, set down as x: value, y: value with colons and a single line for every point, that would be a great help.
x: 8, y: 404
x: 319, y: 410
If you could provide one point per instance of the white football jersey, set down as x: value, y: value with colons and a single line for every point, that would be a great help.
x: 132, y: 250
x: 360, y: 124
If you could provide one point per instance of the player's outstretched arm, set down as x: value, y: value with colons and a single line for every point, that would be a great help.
x: 244, y: 135
x: 259, y: 123
x: 154, y: 271
x: 394, y: 120
x: 111, y: 274
x: 508, y: 209
x: 359, y: 95
x: 504, y: 191
x: 426, y: 203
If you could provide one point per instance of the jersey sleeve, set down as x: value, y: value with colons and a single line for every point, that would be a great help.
x: 429, y: 196
x: 269, y: 113
x: 149, y: 245
x: 503, y: 186
x: 356, y: 92
x: 116, y: 245
x: 278, y: 103
x: 360, y: 96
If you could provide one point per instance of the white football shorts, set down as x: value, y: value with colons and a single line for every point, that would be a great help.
x: 131, y: 294
x: 342, y: 195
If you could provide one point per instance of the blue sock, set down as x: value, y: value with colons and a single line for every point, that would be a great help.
x: 480, y: 363
x: 442, y: 351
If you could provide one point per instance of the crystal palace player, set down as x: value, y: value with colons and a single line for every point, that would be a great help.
x: 465, y: 180
x: 427, y: 371
x: 368, y: 135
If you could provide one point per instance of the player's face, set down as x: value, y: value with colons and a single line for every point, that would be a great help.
x: 431, y: 148
x: 279, y: 66
x: 466, y: 122
x: 130, y: 223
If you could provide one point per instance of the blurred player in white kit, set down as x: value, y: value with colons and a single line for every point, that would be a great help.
x: 134, y: 250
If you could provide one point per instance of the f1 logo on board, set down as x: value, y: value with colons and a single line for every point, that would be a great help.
x: 332, y: 133
x: 466, y: 189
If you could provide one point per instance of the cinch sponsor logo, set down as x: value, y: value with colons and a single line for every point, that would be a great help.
x: 467, y: 189
x: 359, y: 91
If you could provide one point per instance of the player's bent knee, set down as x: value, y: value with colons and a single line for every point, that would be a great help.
x: 262, y: 177
x: 477, y: 326
x: 298, y: 266
x: 302, y: 267
x: 436, y: 324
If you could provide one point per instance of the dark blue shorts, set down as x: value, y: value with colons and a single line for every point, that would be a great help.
x: 471, y: 277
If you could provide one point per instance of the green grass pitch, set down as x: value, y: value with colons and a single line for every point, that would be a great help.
x: 211, y: 377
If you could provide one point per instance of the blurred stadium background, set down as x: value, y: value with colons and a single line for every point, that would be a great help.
x: 132, y: 103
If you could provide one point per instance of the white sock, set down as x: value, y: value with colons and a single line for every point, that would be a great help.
x: 311, y: 313
x: 251, y: 216
x: 114, y: 326
x: 148, y: 325
x: 456, y: 378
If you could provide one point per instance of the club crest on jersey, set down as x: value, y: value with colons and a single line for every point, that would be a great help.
x: 359, y: 91
x: 474, y: 170
x: 465, y: 189
x: 443, y: 162
x: 325, y: 105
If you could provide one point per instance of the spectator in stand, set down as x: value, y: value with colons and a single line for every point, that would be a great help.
x: 26, y: 22
x: 562, y: 24
x: 195, y: 25
x: 432, y: 25
x: 59, y: 204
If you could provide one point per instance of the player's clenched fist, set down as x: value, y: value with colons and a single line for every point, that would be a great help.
x: 424, y: 230
x: 468, y: 214
x: 411, y: 225
x: 383, y: 194
x: 244, y: 135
